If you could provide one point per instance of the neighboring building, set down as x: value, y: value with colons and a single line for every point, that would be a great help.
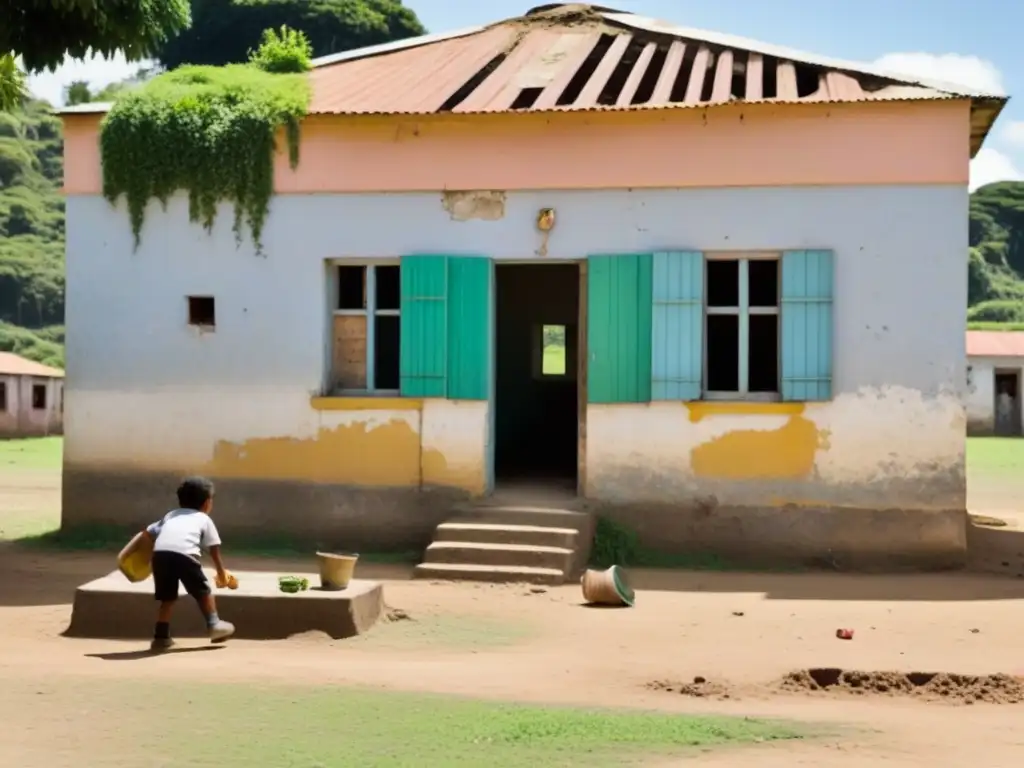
x: 995, y: 363
x: 31, y: 398
x: 755, y: 258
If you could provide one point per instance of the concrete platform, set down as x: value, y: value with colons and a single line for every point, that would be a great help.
x: 113, y: 607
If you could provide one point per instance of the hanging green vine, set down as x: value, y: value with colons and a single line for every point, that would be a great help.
x: 209, y: 131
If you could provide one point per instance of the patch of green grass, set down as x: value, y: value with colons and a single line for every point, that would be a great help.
x: 454, y: 633
x: 996, y: 456
x: 553, y: 361
x: 982, y: 325
x: 270, y: 727
x: 31, y: 453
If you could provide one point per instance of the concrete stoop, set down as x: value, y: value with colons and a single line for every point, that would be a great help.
x: 995, y: 550
x: 507, y: 544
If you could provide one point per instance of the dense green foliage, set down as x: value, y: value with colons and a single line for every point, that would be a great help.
x: 996, y: 265
x: 41, y: 32
x: 209, y: 131
x: 31, y: 234
x: 223, y: 31
x: 12, y: 83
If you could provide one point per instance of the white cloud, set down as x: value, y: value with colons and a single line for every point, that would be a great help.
x: 992, y: 165
x: 952, y: 68
x: 96, y: 70
x: 1013, y: 133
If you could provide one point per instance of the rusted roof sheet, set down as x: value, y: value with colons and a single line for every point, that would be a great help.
x: 16, y: 365
x: 578, y: 57
x: 995, y: 343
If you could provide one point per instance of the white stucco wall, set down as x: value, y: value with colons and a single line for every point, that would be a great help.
x: 980, y: 395
x: 147, y: 389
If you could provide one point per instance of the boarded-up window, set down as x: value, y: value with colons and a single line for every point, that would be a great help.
x: 366, y: 328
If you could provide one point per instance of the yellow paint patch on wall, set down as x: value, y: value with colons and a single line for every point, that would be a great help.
x: 702, y: 409
x: 786, y: 453
x: 365, y: 403
x: 382, y: 455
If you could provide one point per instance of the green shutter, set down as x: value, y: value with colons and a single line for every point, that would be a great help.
x: 424, y: 326
x: 469, y: 327
x: 619, y: 307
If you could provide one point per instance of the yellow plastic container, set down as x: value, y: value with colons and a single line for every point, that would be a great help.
x: 336, y: 570
x: 135, y: 561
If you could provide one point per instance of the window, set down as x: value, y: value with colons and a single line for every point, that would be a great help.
x: 553, y: 360
x: 742, y: 328
x: 367, y: 328
x: 39, y: 397
x: 202, y: 312
x: 3, y: 397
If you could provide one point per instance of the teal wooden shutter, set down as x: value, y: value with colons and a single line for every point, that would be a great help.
x: 677, y: 335
x: 806, y: 307
x: 619, y: 328
x: 469, y: 327
x: 423, y: 361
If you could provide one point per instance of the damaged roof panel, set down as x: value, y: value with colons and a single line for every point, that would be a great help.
x: 581, y: 57
x: 578, y: 57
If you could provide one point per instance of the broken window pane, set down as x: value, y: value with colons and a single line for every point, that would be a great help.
x: 723, y: 366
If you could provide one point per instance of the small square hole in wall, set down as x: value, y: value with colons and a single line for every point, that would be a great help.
x: 201, y: 311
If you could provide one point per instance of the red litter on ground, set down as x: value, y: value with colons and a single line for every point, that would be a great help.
x: 844, y: 634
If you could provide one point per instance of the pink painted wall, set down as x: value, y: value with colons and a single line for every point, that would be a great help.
x: 727, y: 146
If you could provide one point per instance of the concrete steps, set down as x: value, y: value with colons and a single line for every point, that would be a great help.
x: 534, y: 545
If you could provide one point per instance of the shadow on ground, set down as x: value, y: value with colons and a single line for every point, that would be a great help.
x: 145, y: 653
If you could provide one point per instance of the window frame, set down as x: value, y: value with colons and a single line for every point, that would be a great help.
x: 4, y: 408
x: 743, y: 311
x: 371, y: 313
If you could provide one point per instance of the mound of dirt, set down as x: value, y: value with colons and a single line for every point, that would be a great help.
x: 928, y: 686
x: 700, y: 688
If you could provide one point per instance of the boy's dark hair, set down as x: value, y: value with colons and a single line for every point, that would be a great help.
x: 194, y: 492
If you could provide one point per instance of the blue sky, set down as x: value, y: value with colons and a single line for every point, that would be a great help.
x: 975, y: 42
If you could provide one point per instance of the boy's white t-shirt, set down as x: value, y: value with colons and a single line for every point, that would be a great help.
x: 185, y: 531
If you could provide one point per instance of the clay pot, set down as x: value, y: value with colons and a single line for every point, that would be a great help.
x: 336, y: 570
x: 608, y: 587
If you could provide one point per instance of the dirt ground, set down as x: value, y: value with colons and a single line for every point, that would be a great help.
x: 739, y: 635
x: 740, y: 632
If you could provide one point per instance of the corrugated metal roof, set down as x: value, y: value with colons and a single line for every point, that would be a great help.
x: 995, y: 343
x: 581, y: 57
x: 16, y: 365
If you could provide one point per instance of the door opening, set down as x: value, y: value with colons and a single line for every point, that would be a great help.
x: 536, y: 417
x: 1007, y: 403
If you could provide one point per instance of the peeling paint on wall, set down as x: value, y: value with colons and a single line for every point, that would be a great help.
x: 360, y: 453
x: 464, y: 206
x: 753, y: 454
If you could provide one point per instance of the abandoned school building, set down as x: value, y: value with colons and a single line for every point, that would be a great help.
x: 666, y: 267
x: 995, y: 363
x: 31, y: 397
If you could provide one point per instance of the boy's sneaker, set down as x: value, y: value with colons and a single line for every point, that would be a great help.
x: 161, y: 644
x: 221, y: 631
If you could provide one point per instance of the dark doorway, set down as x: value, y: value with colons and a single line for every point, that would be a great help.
x: 536, y: 419
x: 1007, y: 403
